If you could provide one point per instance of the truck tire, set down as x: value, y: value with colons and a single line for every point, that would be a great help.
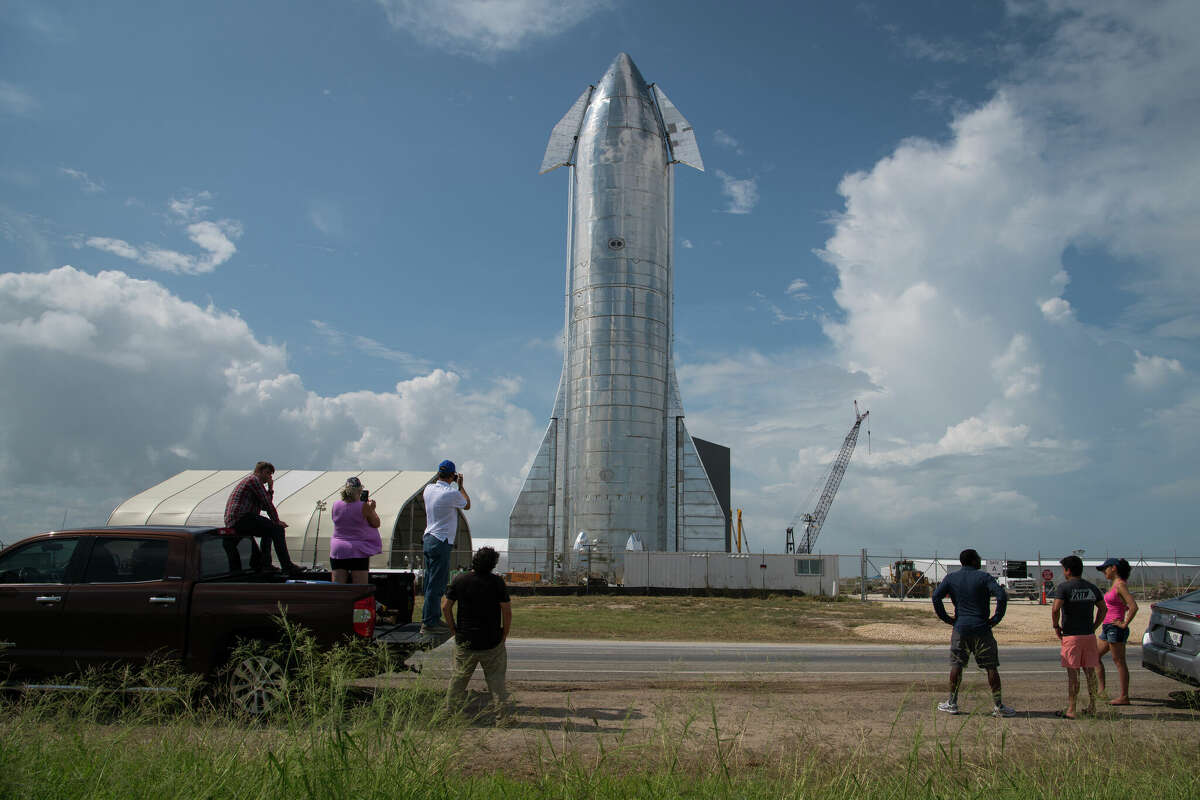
x: 255, y: 685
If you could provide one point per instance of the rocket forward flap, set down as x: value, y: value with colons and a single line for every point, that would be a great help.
x: 561, y: 149
x: 684, y: 148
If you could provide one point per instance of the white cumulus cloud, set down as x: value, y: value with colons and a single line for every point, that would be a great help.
x: 88, y: 185
x: 944, y: 251
x: 117, y: 384
x: 214, y: 238
x: 741, y: 192
x: 487, y: 28
x: 1152, y: 372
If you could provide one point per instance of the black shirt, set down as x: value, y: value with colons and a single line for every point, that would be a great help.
x: 477, y: 622
x: 1079, y: 606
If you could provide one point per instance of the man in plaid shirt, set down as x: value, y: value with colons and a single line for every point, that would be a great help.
x: 252, y: 495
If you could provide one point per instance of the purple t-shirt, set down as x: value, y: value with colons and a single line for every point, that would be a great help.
x: 353, y: 537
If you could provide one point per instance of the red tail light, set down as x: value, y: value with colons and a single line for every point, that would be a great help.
x: 364, y: 617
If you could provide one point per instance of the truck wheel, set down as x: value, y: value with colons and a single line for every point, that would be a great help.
x: 255, y: 685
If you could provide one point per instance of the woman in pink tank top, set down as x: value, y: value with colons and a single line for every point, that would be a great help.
x: 355, y: 534
x: 1114, y: 633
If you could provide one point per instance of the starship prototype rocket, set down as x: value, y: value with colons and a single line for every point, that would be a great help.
x: 617, y: 459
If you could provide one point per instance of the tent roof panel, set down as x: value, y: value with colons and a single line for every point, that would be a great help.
x: 176, y: 509
x: 137, y: 509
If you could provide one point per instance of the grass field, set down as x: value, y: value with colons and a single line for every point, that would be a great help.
x: 776, y: 618
x: 329, y: 740
x: 328, y: 747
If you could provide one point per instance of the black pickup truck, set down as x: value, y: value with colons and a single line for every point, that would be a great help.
x: 70, y: 600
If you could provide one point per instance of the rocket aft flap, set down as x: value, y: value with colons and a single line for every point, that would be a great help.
x: 616, y: 458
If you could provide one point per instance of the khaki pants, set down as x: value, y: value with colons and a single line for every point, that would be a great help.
x: 494, y: 663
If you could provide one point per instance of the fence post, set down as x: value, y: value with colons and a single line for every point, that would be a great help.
x: 862, y: 573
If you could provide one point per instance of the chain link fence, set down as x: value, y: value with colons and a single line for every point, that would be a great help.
x: 866, y: 574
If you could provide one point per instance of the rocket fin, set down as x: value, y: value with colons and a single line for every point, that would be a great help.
x: 700, y: 514
x: 684, y: 148
x: 561, y: 149
x: 674, y: 404
x: 531, y: 521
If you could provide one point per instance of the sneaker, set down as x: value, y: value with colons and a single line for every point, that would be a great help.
x: 948, y: 707
x: 1004, y: 711
x: 431, y: 630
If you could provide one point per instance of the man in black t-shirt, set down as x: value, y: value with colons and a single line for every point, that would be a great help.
x: 1080, y: 606
x: 480, y: 629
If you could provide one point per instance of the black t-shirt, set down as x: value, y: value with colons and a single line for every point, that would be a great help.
x: 1079, y: 606
x: 477, y: 622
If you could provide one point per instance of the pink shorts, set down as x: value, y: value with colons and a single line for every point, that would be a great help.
x: 1080, y: 652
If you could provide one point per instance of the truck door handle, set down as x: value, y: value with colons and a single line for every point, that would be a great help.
x: 48, y: 599
x: 162, y: 601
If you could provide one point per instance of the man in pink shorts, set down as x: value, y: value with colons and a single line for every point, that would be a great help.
x: 1080, y: 607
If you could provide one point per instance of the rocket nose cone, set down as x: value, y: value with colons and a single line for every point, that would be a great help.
x: 622, y: 78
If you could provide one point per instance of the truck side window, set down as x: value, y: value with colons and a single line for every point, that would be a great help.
x: 225, y: 555
x: 115, y: 560
x: 40, y: 562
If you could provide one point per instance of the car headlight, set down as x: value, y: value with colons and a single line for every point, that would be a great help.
x: 1145, y: 638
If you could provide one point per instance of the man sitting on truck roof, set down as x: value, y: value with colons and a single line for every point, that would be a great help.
x: 251, y: 496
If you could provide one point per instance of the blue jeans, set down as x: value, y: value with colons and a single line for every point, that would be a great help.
x: 437, y: 570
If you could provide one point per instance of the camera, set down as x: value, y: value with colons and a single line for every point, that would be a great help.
x: 364, y: 495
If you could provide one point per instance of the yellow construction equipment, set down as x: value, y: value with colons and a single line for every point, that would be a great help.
x: 906, y: 580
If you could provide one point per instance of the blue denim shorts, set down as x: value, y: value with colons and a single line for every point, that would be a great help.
x: 1114, y: 633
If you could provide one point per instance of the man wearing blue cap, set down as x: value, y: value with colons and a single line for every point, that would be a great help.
x: 442, y: 502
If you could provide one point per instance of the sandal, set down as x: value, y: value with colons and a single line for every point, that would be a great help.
x: 1063, y: 714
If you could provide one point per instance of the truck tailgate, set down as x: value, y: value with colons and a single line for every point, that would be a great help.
x: 222, y: 612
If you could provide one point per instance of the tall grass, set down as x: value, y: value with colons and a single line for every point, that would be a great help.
x: 330, y: 739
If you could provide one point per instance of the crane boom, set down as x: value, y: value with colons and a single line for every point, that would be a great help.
x: 814, y: 520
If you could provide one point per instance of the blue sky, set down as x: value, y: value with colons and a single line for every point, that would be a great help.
x: 315, y: 233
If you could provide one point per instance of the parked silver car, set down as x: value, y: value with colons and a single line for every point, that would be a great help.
x: 1171, y: 645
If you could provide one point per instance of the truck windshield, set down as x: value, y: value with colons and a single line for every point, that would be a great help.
x: 224, y: 555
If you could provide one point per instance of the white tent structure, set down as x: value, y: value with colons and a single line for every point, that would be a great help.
x: 196, y: 497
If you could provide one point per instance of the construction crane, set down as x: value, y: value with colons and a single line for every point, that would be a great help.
x: 815, y: 519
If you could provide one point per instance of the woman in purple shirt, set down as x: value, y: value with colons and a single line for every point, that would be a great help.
x: 355, y: 534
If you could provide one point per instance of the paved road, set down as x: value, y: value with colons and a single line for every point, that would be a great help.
x: 573, y: 660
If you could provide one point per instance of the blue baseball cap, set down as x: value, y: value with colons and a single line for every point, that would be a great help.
x: 447, y: 468
x: 1112, y: 562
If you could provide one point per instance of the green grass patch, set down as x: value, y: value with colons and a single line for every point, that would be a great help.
x: 775, y: 618
x: 326, y: 739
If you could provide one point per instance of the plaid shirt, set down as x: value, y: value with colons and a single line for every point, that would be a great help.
x: 249, y: 497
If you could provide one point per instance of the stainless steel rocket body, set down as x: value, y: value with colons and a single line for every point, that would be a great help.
x: 617, y: 459
x: 619, y: 329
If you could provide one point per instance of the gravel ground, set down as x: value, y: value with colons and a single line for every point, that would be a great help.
x: 1024, y: 623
